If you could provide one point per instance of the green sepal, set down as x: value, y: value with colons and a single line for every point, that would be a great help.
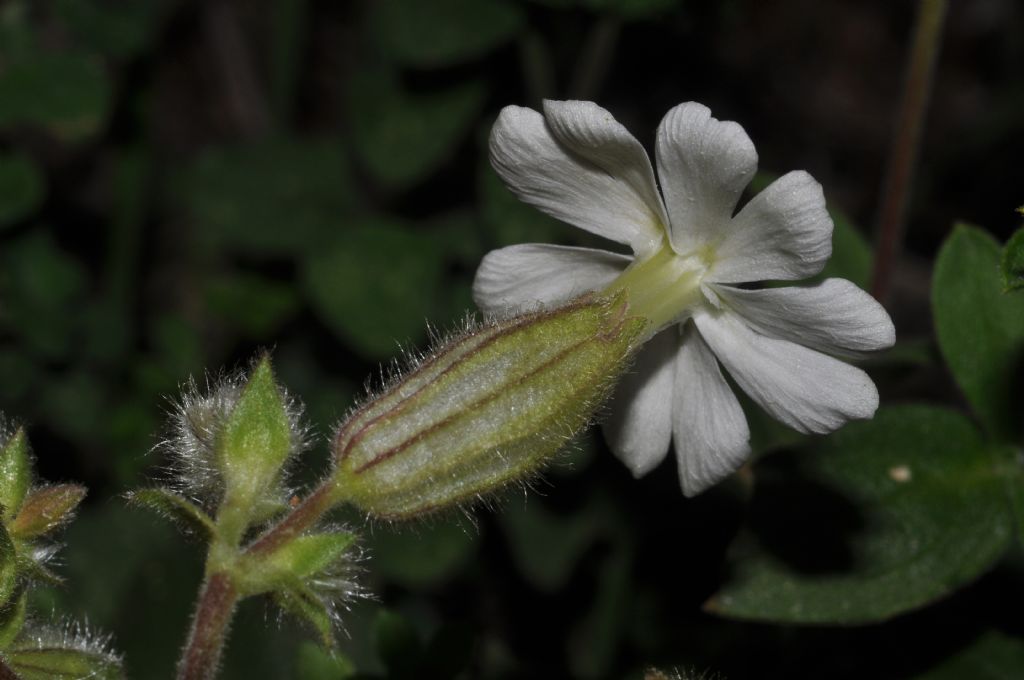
x: 32, y: 570
x: 294, y: 562
x: 256, y: 439
x: 178, y: 509
x: 1011, y: 264
x: 15, y: 474
x: 12, y: 619
x: 8, y: 567
x: 56, y: 663
x: 309, y: 555
x: 45, y: 509
x: 315, y: 663
x: 301, y: 602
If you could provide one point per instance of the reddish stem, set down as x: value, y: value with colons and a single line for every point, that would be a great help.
x: 301, y: 518
x: 214, y: 611
x: 892, y: 213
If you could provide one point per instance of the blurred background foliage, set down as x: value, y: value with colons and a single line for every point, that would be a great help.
x: 183, y: 182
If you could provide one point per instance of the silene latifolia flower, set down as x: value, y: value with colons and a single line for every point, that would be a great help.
x: 692, y: 257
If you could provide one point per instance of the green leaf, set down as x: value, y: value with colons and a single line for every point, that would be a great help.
x: 304, y: 604
x: 176, y: 508
x: 545, y: 546
x: 12, y: 619
x: 119, y: 29
x: 257, y: 437
x: 459, y: 30
x: 41, y: 288
x: 53, y: 662
x: 376, y: 285
x: 992, y: 656
x: 398, y: 643
x: 424, y: 557
x: 15, y: 474
x: 254, y: 305
x: 274, y: 197
x: 314, y: 663
x: 1012, y: 263
x: 401, y: 137
x: 45, y: 509
x: 892, y: 511
x: 980, y: 329
x: 67, y: 93
x: 22, y: 188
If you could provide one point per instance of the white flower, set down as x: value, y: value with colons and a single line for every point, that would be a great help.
x: 578, y: 164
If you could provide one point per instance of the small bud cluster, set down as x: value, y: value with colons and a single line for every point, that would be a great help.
x: 29, y: 515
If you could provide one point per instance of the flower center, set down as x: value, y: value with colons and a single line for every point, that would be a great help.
x: 665, y: 286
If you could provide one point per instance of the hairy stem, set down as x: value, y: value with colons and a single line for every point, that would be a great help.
x: 216, y: 606
x: 6, y: 673
x: 903, y: 155
x: 298, y: 520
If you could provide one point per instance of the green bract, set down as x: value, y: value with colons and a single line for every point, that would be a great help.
x: 485, y: 409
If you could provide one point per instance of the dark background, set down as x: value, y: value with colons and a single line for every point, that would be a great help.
x: 183, y: 183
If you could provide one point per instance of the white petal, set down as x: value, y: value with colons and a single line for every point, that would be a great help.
x: 805, y: 389
x: 581, y: 167
x: 704, y: 164
x: 834, y: 316
x: 784, y: 233
x: 709, y: 429
x: 526, y: 274
x: 639, y: 428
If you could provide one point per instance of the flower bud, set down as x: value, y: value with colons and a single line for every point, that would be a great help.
x: 487, y: 408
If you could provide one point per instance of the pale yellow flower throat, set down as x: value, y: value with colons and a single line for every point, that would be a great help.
x: 665, y: 286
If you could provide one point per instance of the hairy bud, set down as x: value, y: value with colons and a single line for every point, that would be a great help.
x: 489, y: 407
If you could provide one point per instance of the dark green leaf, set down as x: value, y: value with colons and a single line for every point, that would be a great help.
x: 545, y: 546
x: 15, y: 473
x: 22, y: 188
x: 401, y: 137
x: 45, y: 509
x: 277, y: 197
x: 376, y: 285
x: 314, y: 663
x: 254, y: 305
x: 877, y: 519
x: 420, y: 558
x: 398, y: 643
x: 41, y: 289
x: 69, y: 94
x: 120, y: 29
x: 980, y: 329
x: 176, y: 508
x: 1012, y: 262
x: 993, y: 656
x: 458, y: 30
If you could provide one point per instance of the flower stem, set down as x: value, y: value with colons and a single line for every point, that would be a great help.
x: 920, y: 77
x: 6, y: 673
x: 214, y: 611
x: 598, y: 52
x: 298, y: 520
